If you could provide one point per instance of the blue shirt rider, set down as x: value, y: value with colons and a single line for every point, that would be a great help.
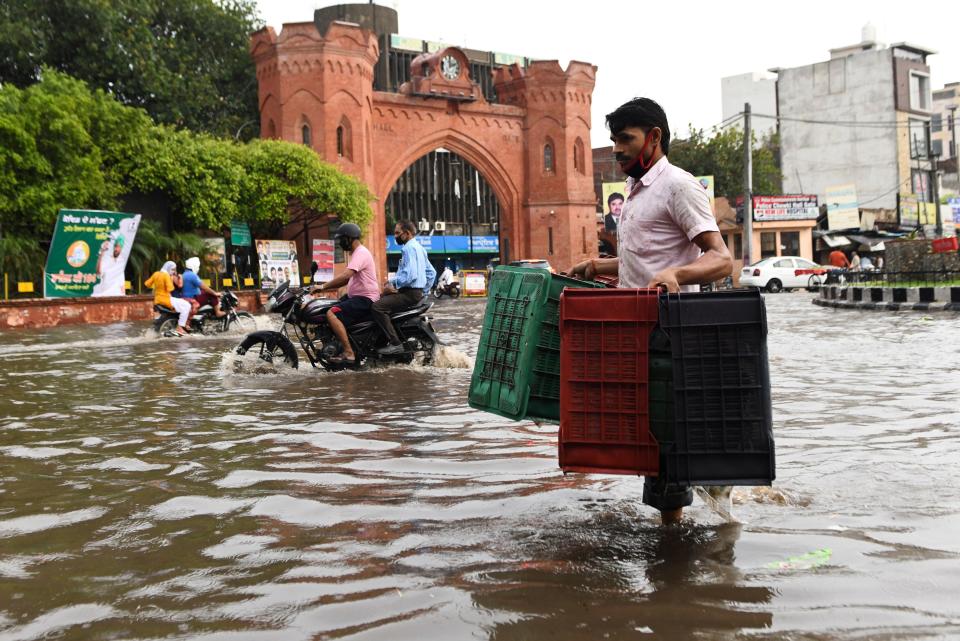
x: 412, y: 282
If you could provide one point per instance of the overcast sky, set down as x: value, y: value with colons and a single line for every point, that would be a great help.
x: 675, y: 52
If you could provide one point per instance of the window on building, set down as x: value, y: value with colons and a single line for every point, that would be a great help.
x: 271, y: 129
x: 578, y: 159
x: 920, y: 185
x: 550, y: 241
x: 936, y: 123
x: 919, y: 91
x: 305, y: 133
x: 789, y: 243
x: 738, y: 246
x: 768, y: 244
x: 345, y: 139
x: 919, y: 133
x: 548, y: 157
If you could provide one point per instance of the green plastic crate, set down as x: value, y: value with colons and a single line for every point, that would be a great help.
x: 511, y: 329
x: 544, y: 401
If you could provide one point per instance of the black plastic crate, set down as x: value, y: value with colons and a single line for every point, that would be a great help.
x: 722, y: 419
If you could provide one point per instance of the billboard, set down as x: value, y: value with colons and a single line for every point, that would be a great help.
x: 914, y: 212
x: 451, y: 244
x: 217, y: 253
x: 843, y: 211
x: 323, y: 255
x: 88, y: 253
x: 786, y: 207
x: 278, y: 263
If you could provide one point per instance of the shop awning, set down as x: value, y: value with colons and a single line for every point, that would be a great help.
x: 835, y: 241
x: 868, y: 241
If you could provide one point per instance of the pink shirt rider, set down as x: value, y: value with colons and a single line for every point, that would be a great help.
x: 364, y: 281
x: 665, y: 210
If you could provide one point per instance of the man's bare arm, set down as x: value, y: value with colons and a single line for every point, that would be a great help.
x: 715, y: 263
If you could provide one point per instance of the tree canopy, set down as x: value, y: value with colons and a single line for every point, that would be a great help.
x: 186, y: 62
x: 65, y: 146
x: 721, y: 155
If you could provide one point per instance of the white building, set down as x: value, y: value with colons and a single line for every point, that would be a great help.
x: 757, y: 88
x: 861, y: 117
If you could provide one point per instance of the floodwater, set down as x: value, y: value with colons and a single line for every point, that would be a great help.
x: 149, y: 492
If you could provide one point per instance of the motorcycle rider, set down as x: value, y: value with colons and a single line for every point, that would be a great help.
x: 162, y: 283
x: 360, y: 277
x: 446, y: 278
x: 411, y: 283
x: 196, y: 292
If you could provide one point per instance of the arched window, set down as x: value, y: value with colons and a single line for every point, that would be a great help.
x: 579, y: 163
x: 271, y: 129
x: 305, y: 132
x: 345, y: 139
x: 548, y: 157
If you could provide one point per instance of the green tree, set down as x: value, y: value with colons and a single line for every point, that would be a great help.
x: 65, y: 146
x: 721, y: 155
x: 186, y: 62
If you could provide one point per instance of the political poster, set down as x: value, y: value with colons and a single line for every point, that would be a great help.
x: 323, y: 255
x: 88, y: 253
x: 611, y: 189
x: 278, y: 263
x: 216, y: 254
x: 707, y: 183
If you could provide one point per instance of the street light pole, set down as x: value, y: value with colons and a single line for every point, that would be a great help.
x: 747, y: 189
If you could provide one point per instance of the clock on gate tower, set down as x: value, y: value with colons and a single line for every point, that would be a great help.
x: 442, y: 74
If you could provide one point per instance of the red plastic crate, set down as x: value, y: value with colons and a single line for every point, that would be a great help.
x: 604, y: 392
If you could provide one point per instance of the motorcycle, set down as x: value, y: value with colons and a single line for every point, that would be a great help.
x: 205, y: 321
x: 307, y: 318
x: 450, y: 289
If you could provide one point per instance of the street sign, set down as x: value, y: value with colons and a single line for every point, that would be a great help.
x: 239, y: 234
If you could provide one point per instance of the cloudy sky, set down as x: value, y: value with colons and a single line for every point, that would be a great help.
x: 675, y: 52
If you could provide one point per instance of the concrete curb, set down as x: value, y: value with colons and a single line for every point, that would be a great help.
x: 888, y: 307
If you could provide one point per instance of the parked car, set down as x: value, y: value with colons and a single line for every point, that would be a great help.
x: 783, y: 272
x: 533, y: 264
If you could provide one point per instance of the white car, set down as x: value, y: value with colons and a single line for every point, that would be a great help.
x: 783, y: 272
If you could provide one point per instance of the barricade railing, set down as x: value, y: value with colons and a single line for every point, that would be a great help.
x: 19, y: 287
x: 887, y: 278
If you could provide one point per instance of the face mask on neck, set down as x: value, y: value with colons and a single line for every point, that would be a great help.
x: 637, y: 167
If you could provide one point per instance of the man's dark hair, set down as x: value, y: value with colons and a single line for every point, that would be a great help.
x: 614, y: 196
x: 643, y: 113
x: 408, y: 226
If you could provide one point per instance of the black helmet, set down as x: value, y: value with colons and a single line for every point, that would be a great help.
x: 347, y: 229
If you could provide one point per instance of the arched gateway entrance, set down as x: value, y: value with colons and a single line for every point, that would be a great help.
x: 453, y: 206
x: 525, y: 144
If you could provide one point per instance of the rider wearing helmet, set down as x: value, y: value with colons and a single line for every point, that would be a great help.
x: 363, y: 289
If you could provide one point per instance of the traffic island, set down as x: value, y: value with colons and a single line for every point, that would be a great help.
x: 921, y: 299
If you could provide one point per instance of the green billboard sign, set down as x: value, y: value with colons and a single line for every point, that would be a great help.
x: 239, y: 234
x: 88, y: 253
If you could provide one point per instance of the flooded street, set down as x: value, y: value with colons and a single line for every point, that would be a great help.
x: 149, y: 492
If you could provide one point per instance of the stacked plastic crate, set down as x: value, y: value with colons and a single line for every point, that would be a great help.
x: 517, y: 369
x: 702, y: 399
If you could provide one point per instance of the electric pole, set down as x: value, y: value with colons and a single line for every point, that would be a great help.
x: 747, y: 189
x: 935, y: 176
x: 953, y: 139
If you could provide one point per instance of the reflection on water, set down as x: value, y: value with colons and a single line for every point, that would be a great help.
x: 147, y: 491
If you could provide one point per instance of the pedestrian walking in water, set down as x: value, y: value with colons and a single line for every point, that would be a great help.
x: 667, y: 234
